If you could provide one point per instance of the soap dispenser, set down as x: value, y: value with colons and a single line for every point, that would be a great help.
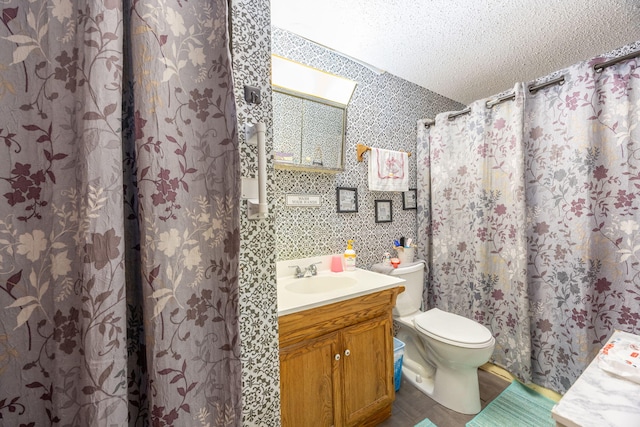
x: 349, y: 257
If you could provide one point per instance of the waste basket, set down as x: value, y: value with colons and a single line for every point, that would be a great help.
x: 398, y: 352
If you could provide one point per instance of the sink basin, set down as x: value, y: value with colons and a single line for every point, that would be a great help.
x: 320, y: 284
x: 327, y: 287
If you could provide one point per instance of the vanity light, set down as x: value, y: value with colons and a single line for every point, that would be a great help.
x: 296, y: 77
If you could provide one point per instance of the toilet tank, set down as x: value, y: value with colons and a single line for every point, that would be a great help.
x: 410, y: 300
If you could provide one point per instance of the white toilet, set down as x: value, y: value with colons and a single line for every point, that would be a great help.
x: 442, y: 350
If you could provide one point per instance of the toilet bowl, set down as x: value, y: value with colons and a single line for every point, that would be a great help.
x: 442, y: 350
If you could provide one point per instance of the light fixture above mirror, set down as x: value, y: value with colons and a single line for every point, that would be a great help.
x: 293, y: 76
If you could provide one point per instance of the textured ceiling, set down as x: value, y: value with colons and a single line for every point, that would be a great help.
x: 464, y: 49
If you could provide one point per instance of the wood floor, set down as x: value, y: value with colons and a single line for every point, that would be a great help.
x: 412, y: 406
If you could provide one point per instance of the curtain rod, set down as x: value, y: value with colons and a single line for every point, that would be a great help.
x: 459, y: 113
x: 536, y: 87
x: 531, y: 88
x: 500, y: 99
x: 601, y: 66
x: 557, y: 81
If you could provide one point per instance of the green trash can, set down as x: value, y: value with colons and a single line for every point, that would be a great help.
x: 398, y: 353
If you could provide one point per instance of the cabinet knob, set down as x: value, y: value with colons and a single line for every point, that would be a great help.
x: 347, y: 352
x: 337, y: 357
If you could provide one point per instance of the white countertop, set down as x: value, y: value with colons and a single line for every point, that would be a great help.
x: 368, y: 282
x: 598, y: 398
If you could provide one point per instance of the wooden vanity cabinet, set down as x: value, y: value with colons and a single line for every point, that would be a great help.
x: 336, y: 363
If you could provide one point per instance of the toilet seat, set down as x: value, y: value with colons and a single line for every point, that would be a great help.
x: 453, y: 329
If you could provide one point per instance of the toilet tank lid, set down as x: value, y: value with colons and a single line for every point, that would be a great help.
x: 407, y: 268
x: 452, y: 328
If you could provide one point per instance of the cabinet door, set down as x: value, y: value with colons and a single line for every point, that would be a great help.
x: 309, y: 382
x: 367, y: 369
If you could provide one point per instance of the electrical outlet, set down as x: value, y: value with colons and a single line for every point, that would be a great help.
x: 252, y: 94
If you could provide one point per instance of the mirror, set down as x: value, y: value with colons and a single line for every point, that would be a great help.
x: 309, y: 116
x: 308, y: 133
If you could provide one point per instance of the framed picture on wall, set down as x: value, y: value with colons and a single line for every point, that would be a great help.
x: 410, y: 199
x: 347, y: 199
x: 383, y: 211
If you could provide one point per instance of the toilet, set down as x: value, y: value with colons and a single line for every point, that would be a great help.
x: 442, y: 350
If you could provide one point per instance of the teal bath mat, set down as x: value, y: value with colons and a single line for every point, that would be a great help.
x: 517, y: 405
x: 425, y: 423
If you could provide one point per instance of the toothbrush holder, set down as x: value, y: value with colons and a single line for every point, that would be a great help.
x: 406, y: 255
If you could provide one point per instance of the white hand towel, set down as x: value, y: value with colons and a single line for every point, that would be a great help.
x: 388, y: 170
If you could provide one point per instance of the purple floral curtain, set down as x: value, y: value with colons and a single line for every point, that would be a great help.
x: 473, y: 181
x: 119, y: 225
x: 583, y: 198
x: 559, y: 168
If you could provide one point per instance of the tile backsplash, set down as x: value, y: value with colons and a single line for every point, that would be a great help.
x: 382, y: 113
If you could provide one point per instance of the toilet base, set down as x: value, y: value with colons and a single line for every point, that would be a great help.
x: 417, y: 378
x: 459, y: 393
x: 440, y: 370
x: 458, y: 389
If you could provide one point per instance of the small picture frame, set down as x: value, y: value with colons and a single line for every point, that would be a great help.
x: 383, y: 211
x: 410, y: 199
x: 347, y: 199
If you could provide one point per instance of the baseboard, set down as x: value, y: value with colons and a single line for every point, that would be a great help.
x: 506, y: 375
x: 498, y: 371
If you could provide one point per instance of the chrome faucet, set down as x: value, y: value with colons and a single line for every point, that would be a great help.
x: 298, y: 272
x: 311, y: 270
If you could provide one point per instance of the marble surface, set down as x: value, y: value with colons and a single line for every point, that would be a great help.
x: 598, y: 398
x: 365, y: 282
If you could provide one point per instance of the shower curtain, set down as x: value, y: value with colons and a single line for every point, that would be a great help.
x: 562, y: 203
x: 119, y: 225
x: 474, y: 180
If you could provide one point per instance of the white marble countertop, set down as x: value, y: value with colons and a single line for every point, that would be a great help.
x: 598, y: 398
x: 366, y: 282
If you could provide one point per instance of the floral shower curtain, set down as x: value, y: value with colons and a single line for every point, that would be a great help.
x: 119, y: 226
x: 473, y: 176
x: 576, y: 194
x: 583, y: 200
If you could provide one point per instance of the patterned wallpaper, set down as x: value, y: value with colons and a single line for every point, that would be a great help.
x: 251, y: 40
x: 382, y: 113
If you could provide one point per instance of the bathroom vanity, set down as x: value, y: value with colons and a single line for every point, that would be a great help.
x: 336, y: 358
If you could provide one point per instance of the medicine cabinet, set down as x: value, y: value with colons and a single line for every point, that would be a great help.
x: 309, y: 117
